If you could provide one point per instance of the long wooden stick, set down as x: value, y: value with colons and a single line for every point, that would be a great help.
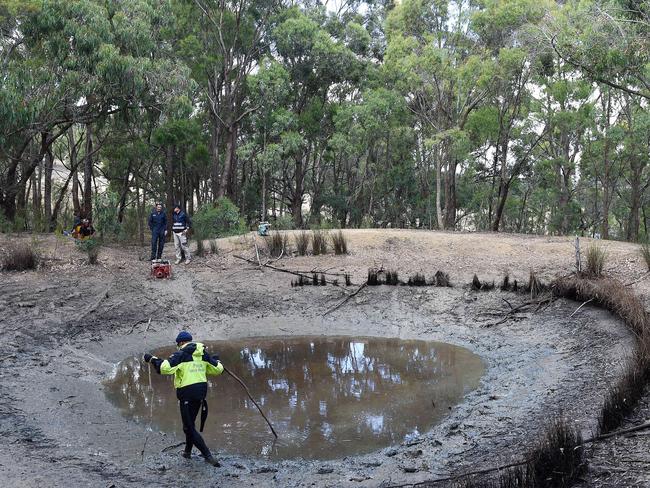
x: 251, y: 397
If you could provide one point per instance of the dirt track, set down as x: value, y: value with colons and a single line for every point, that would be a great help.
x: 66, y: 325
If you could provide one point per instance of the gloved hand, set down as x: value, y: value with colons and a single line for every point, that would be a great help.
x: 215, y: 357
x: 147, y: 357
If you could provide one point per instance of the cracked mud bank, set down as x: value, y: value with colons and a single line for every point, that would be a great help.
x: 66, y: 326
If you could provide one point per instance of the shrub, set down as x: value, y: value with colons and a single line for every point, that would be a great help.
x: 373, y: 278
x: 645, y: 253
x: 596, y: 257
x: 302, y: 240
x: 277, y: 243
x: 417, y: 280
x: 284, y: 222
x: 5, y: 224
x: 91, y: 248
x: 319, y: 242
x: 392, y: 278
x: 219, y: 220
x: 19, y: 257
x: 340, y: 243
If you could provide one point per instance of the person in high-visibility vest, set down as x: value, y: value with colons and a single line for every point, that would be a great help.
x: 190, y: 365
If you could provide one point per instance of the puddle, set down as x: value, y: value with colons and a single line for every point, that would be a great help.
x: 327, y: 397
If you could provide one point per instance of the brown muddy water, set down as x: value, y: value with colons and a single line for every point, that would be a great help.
x: 327, y: 397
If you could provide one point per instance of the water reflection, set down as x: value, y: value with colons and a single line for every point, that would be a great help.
x: 327, y: 397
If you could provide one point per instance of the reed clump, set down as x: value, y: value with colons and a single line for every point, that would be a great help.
x: 19, y: 257
x: 340, y: 243
x: 596, y: 257
x: 319, y: 242
x: 302, y: 241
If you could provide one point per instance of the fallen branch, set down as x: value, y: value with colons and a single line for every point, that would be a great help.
x: 173, y: 446
x: 636, y: 428
x: 343, y: 302
x: 243, y: 385
x: 281, y: 270
x: 578, y: 309
x: 146, y: 439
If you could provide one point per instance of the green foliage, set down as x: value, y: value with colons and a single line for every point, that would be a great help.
x: 105, y: 213
x: 219, y: 220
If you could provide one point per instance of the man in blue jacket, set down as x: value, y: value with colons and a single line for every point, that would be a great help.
x: 158, y: 227
x: 180, y: 227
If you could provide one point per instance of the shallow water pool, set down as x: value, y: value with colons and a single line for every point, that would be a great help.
x: 327, y: 397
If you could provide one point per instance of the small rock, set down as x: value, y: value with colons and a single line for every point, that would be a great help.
x: 239, y: 465
x: 325, y: 470
x: 391, y: 452
x: 372, y: 464
x: 266, y: 469
x: 359, y: 479
x: 413, y: 453
x: 410, y: 469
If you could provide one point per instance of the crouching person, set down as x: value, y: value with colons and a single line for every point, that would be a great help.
x: 190, y: 365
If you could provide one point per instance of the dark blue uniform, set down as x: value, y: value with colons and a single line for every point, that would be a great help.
x: 158, y: 226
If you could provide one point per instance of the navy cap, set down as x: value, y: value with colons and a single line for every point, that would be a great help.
x: 183, y: 336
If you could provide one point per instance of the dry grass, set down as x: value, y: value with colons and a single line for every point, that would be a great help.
x: 319, y: 242
x: 19, y: 257
x: 340, y: 243
x: 276, y: 244
x: 596, y: 257
x: 612, y: 295
x: 645, y: 254
x: 302, y: 240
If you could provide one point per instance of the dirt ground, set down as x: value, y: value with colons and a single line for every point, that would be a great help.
x: 66, y: 326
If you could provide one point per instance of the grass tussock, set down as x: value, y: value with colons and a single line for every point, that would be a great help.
x: 373, y: 277
x: 623, y: 397
x: 442, y: 279
x: 214, y: 247
x: 645, y: 254
x: 417, y: 280
x: 200, y: 248
x: 19, y: 257
x: 557, y: 461
x: 391, y: 278
x: 277, y: 244
x: 348, y: 280
x: 319, y: 242
x: 302, y: 241
x: 478, y: 285
x: 596, y: 257
x: 340, y: 243
x: 535, y: 286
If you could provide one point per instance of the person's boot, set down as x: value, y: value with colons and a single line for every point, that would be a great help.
x: 187, y: 454
x: 178, y: 261
x: 213, y: 461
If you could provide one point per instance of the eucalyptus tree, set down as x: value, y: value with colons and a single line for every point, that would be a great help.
x: 432, y: 58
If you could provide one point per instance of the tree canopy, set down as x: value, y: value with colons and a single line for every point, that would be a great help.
x: 500, y: 115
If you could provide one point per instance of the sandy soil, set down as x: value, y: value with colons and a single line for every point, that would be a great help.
x: 65, y: 326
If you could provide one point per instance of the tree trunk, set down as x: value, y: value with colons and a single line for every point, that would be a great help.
x: 441, y: 224
x: 450, y: 195
x: 229, y: 162
x: 88, y: 175
x: 47, y: 190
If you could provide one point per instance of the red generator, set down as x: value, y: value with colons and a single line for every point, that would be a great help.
x: 161, y: 268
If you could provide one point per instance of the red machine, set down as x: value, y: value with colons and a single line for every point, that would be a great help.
x: 161, y: 268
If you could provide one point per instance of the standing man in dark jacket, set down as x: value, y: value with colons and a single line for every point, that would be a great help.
x: 158, y: 227
x: 180, y: 227
x: 191, y: 365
